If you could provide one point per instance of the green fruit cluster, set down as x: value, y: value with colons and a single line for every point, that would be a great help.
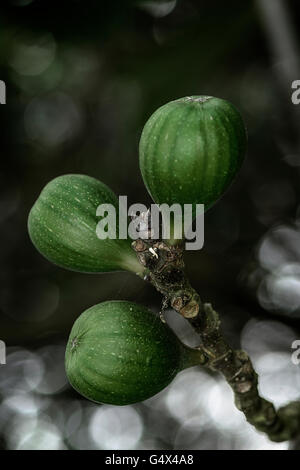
x: 120, y: 352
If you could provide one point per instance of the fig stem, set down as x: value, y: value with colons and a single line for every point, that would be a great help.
x: 166, y: 272
x: 193, y: 357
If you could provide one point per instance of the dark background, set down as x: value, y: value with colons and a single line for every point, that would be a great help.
x: 82, y: 78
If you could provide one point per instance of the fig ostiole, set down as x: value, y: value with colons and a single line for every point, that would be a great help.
x: 120, y: 352
x: 62, y: 226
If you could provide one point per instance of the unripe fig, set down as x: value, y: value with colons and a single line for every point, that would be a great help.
x: 120, y: 353
x: 62, y: 226
x: 191, y: 149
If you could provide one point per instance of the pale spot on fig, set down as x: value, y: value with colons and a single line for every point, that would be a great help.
x: 74, y: 343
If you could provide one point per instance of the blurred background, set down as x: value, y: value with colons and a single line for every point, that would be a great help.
x: 82, y: 77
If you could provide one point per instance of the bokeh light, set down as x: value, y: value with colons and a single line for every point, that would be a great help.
x: 79, y: 92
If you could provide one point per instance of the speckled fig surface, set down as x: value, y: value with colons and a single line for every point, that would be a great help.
x: 62, y: 226
x: 191, y: 150
x: 119, y: 352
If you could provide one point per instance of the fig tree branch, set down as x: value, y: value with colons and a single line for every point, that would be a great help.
x: 164, y: 269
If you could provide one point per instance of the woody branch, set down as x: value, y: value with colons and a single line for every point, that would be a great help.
x: 164, y: 269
